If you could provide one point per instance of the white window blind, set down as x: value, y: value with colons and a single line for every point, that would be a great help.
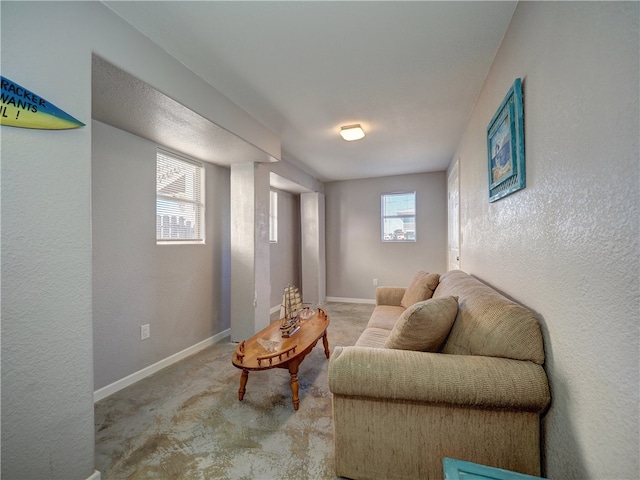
x: 179, y: 199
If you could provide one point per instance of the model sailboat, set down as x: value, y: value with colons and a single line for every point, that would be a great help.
x: 290, y: 311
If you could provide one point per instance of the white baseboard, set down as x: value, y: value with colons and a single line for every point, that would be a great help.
x: 274, y: 309
x: 95, y: 476
x: 351, y: 300
x: 118, y: 385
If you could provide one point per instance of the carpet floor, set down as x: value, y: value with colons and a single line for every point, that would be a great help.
x: 185, y: 422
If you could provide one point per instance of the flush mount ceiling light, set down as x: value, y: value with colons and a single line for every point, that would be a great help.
x: 351, y: 132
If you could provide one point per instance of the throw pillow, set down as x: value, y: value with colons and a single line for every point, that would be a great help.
x: 424, y: 326
x: 421, y: 288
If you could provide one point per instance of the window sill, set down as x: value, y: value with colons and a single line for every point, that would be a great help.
x: 180, y: 242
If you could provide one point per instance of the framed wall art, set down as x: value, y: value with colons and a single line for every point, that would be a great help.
x: 505, y: 145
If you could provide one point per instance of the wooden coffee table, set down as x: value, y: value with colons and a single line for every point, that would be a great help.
x: 268, y: 349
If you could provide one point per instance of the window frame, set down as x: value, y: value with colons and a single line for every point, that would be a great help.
x: 273, y: 216
x: 383, y: 216
x: 197, y: 203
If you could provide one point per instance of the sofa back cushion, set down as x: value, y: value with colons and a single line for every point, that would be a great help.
x: 488, y: 323
x: 421, y: 288
x: 424, y: 325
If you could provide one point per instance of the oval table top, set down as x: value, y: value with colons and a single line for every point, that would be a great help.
x: 268, y: 349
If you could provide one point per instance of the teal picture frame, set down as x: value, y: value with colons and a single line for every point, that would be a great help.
x: 454, y: 469
x: 505, y: 146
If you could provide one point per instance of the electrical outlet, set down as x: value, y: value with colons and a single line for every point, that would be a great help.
x: 145, y: 331
x: 375, y: 282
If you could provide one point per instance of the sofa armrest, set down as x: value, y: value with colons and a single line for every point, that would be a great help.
x: 438, y: 378
x: 389, y: 295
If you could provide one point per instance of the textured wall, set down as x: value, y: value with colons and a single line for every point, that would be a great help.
x: 355, y: 254
x: 47, y: 341
x: 313, y: 247
x: 177, y: 289
x: 567, y: 245
x: 285, y: 255
x: 250, y: 250
x: 47, y: 400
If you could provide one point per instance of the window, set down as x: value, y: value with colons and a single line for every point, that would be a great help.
x: 399, y: 217
x: 179, y: 199
x: 273, y: 216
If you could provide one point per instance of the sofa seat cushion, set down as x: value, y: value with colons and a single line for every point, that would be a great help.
x: 421, y: 288
x: 385, y: 316
x: 373, y: 337
x: 424, y: 326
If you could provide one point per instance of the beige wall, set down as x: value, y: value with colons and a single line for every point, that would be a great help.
x: 567, y: 245
x: 354, y: 250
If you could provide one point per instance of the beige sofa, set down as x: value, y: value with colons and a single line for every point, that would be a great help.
x: 398, y: 413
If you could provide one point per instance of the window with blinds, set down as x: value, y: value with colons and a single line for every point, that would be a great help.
x: 179, y: 199
x: 399, y: 217
x: 273, y: 216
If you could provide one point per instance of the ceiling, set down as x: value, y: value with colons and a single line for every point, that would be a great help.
x: 408, y: 72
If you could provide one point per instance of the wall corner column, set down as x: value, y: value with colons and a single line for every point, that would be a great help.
x: 250, y: 267
x: 312, y: 213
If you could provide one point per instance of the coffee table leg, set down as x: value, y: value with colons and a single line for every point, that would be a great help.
x: 244, y: 376
x: 293, y: 370
x: 325, y: 342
